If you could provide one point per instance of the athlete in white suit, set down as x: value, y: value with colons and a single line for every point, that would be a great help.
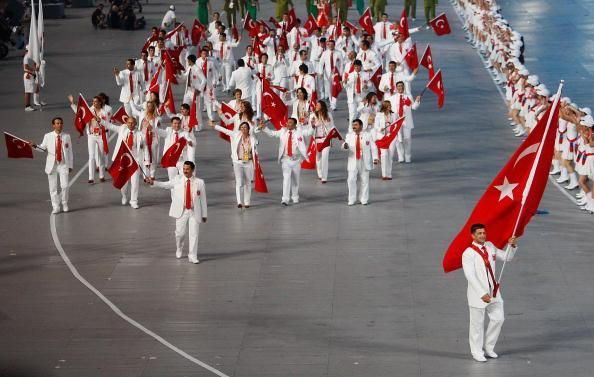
x: 291, y: 151
x: 132, y: 84
x: 362, y: 155
x: 402, y: 105
x: 188, y: 208
x: 476, y: 260
x: 59, y: 161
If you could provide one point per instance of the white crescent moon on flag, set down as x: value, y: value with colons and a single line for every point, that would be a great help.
x: 177, y: 145
x: 440, y: 24
x: 402, y: 20
x: 18, y: 143
x: 84, y: 113
x: 269, y: 95
x: 130, y: 161
x: 531, y: 149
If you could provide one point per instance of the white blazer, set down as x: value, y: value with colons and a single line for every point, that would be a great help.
x: 307, y: 82
x: 407, y: 111
x: 368, y: 148
x: 351, y: 85
x: 49, y: 144
x: 381, y: 126
x: 194, y: 78
x: 298, y: 139
x: 141, y: 153
x: 477, y: 275
x: 242, y: 78
x: 235, y: 138
x: 325, y: 63
x: 178, y: 201
x: 122, y: 79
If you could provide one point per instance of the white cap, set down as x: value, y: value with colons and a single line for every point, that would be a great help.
x: 566, y: 100
x: 542, y: 90
x: 587, y: 121
x: 172, y: 7
x: 524, y: 71
x: 586, y: 110
x: 533, y: 80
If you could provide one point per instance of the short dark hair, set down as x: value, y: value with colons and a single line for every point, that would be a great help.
x: 359, y: 122
x: 237, y: 90
x: 358, y: 63
x: 190, y: 164
x: 56, y: 118
x: 132, y: 61
x: 240, y: 63
x: 184, y: 106
x: 246, y: 123
x: 400, y: 82
x: 475, y: 227
x: 192, y: 58
x: 303, y: 68
x: 175, y: 118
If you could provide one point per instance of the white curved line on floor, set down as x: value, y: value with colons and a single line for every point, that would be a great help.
x: 110, y: 304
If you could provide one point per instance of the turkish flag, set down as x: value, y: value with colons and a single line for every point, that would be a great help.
x: 512, y: 198
x: 312, y: 101
x: 412, y: 57
x: 333, y: 134
x: 123, y: 167
x: 172, y: 32
x: 273, y: 106
x: 120, y: 116
x: 427, y: 62
x: 366, y: 21
x: 440, y: 25
x: 229, y: 113
x: 259, y: 180
x: 151, y: 39
x: 257, y: 46
x: 353, y: 28
x: 174, y: 55
x: 403, y: 25
x: 336, y: 83
x: 384, y: 142
x: 323, y: 20
x: 436, y: 86
x: 197, y: 30
x: 337, y: 30
x: 377, y: 77
x: 168, y: 104
x: 170, y: 67
x: 83, y: 115
x: 310, y: 163
x: 235, y: 33
x: 171, y: 155
x: 310, y: 25
x: 250, y: 25
x: 193, y: 121
x: 282, y: 41
x: 292, y: 20
x: 154, y: 84
x: 17, y: 148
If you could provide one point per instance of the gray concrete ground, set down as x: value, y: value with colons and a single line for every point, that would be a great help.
x: 316, y: 289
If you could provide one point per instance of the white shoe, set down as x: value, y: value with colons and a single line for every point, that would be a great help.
x: 65, y: 207
x: 295, y: 201
x: 479, y: 358
x: 580, y: 194
x: 134, y: 205
x: 55, y: 211
x: 40, y: 103
x: 572, y: 186
x: 562, y: 179
x: 178, y: 254
x: 351, y: 203
x: 193, y: 260
x: 29, y: 108
x: 555, y: 171
x: 582, y: 202
x: 124, y: 200
x: 491, y: 354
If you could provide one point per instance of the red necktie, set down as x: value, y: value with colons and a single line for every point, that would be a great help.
x: 385, y: 31
x: 294, y: 56
x: 358, y: 84
x: 400, y: 47
x: 131, y: 83
x: 302, y: 78
x: 392, y: 83
x: 146, y: 71
x: 332, y: 61
x: 364, y: 56
x: 263, y: 71
x: 290, y: 144
x: 298, y: 37
x: 189, y: 77
x: 188, y: 195
x: 401, y: 106
x: 176, y: 137
x: 358, y: 147
x: 205, y: 67
x: 59, y: 149
x: 130, y: 140
x: 222, y: 52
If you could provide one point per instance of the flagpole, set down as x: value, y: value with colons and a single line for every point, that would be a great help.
x: 134, y: 158
x: 526, y: 192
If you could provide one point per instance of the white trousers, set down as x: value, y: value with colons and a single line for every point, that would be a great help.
x: 353, y: 114
x: 386, y: 159
x: 187, y: 221
x: 156, y: 160
x: 52, y: 178
x: 362, y: 175
x: 476, y: 334
x: 134, y: 186
x: 209, y: 97
x: 322, y: 163
x: 244, y: 174
x: 403, y: 144
x: 95, y: 146
x: 172, y: 172
x: 227, y: 69
x: 188, y: 97
x: 291, y: 173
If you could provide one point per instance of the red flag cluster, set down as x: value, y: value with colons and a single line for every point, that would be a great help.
x: 123, y: 167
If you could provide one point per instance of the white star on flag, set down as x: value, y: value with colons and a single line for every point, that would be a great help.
x: 506, y: 189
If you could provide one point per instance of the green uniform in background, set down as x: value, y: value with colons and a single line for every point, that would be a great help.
x: 252, y: 9
x: 411, y: 8
x: 282, y: 7
x: 430, y: 9
x: 379, y: 7
x: 202, y: 12
x: 231, y: 12
x: 343, y: 9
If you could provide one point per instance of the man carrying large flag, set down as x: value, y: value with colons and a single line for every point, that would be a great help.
x: 504, y: 209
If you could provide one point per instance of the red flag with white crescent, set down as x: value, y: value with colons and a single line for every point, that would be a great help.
x: 412, y: 57
x: 292, y: 20
x: 120, y: 116
x: 427, y: 62
x: 377, y: 77
x: 229, y: 113
x: 336, y: 83
x: 310, y: 163
x: 323, y: 20
x: 353, y: 28
x: 83, y: 115
x: 197, y: 30
x: 259, y: 180
x: 310, y: 25
x: 366, y: 21
x: 513, y: 196
x: 333, y: 134
x: 123, y: 167
x: 440, y: 25
x: 169, y: 103
x: 17, y: 147
x: 151, y: 39
x: 154, y: 84
x: 436, y: 86
x: 172, y: 154
x: 403, y: 25
x: 193, y: 121
x: 384, y: 142
x: 170, y: 67
x: 273, y: 106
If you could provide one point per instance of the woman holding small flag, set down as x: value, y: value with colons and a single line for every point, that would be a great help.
x: 384, y: 121
x: 323, y: 124
x: 245, y: 114
x: 149, y: 121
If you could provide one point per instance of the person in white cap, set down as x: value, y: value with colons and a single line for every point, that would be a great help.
x: 565, y: 144
x: 169, y: 19
x: 584, y: 165
x: 536, y: 112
